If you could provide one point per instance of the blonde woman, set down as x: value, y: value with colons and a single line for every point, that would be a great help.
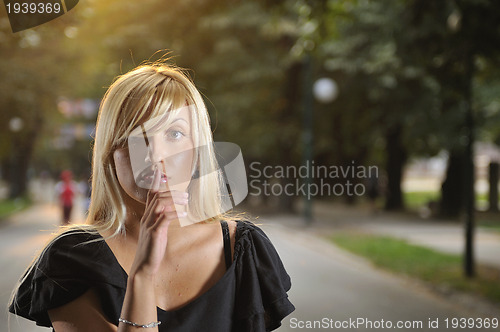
x: 135, y: 264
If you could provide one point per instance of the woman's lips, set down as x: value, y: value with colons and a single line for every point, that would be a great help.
x: 146, y: 177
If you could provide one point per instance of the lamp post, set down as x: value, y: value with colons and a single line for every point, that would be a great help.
x: 307, y: 135
x: 325, y: 91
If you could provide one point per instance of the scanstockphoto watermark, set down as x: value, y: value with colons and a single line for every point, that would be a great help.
x: 311, y: 180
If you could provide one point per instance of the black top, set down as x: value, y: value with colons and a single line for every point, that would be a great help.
x: 251, y: 296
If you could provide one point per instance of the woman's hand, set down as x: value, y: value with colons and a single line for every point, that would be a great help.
x: 158, y: 214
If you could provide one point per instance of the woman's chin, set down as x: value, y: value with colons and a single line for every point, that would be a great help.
x: 138, y: 195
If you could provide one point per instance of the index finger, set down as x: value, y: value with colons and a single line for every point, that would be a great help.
x: 164, y: 185
x: 155, y: 185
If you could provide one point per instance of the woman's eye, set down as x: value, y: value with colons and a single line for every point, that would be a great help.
x: 174, y: 135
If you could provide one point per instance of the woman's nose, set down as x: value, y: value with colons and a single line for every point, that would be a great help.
x: 156, y: 151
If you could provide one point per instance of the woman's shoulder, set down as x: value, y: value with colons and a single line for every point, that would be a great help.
x: 74, y: 244
x: 251, y: 240
x: 73, y: 237
x: 252, y: 246
x: 250, y: 233
x: 74, y: 261
x: 80, y: 253
x: 261, y: 278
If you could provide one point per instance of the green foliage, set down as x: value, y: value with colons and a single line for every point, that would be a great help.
x: 397, y: 64
x: 380, y: 82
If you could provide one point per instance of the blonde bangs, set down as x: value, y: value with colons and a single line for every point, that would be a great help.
x: 143, y: 103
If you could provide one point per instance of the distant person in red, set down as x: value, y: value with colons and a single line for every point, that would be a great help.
x: 66, y: 191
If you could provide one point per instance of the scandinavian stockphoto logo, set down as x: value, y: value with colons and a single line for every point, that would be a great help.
x: 312, y: 180
x: 26, y: 14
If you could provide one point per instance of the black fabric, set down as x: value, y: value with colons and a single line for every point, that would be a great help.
x: 251, y: 296
x: 227, y: 243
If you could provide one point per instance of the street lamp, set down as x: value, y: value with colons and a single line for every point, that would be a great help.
x: 325, y: 91
x: 16, y: 124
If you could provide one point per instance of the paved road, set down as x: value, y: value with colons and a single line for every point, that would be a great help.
x: 20, y: 238
x: 24, y: 234
x: 330, y: 283
x: 327, y: 282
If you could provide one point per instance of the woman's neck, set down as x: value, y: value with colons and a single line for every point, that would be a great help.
x: 134, y: 212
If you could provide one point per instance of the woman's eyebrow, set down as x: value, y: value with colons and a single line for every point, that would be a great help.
x: 180, y: 119
x: 141, y: 131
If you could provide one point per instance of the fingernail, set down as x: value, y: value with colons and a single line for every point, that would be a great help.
x: 186, y: 195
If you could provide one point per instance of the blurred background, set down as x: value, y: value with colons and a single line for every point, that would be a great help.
x: 410, y: 88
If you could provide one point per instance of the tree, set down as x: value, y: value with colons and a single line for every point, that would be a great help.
x: 386, y: 96
x: 31, y: 73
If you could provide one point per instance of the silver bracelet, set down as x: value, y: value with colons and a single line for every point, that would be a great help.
x: 145, y: 326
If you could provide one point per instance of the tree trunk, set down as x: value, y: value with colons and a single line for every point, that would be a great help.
x: 396, y: 158
x: 452, y: 189
x: 493, y: 192
x: 20, y: 156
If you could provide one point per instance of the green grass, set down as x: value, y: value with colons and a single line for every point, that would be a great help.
x: 9, y: 206
x: 489, y: 222
x: 439, y: 269
x: 416, y: 199
x: 482, y: 197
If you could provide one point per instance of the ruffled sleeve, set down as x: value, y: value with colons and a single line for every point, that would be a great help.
x: 70, y: 265
x: 261, y: 282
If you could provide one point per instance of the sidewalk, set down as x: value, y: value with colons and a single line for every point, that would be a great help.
x: 440, y: 235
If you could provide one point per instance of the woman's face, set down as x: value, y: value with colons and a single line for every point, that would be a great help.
x: 152, y: 148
